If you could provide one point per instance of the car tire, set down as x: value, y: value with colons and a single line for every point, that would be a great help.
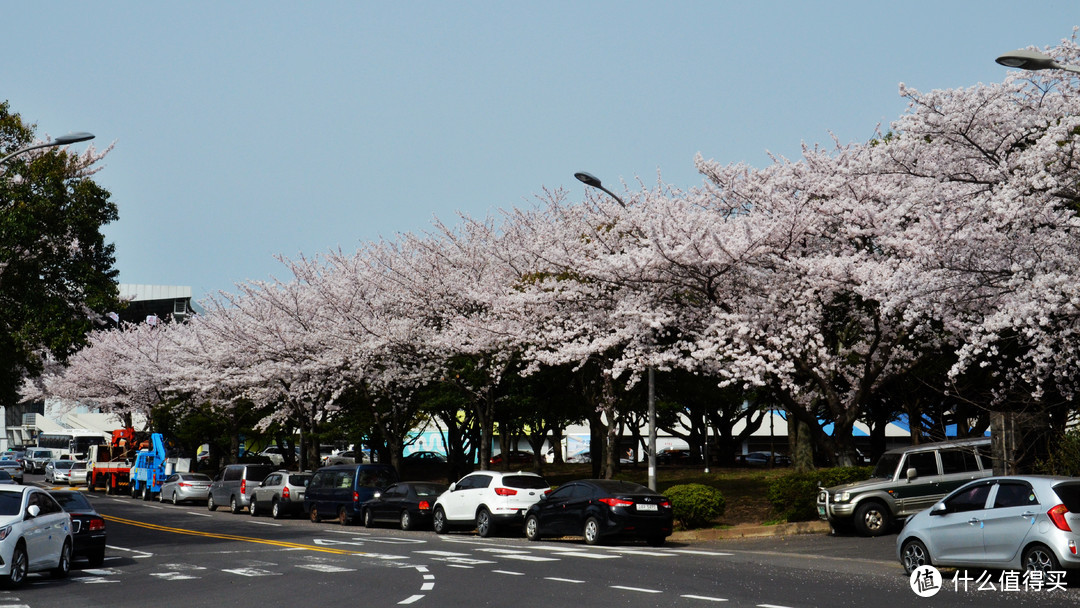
x: 368, y: 519
x: 343, y: 516
x: 438, y: 521
x: 406, y: 521
x: 914, y: 554
x: 485, y: 525
x: 63, y: 566
x: 210, y: 504
x: 146, y: 493
x: 252, y: 511
x: 314, y: 515
x: 20, y: 567
x: 1039, y: 558
x: 532, y: 527
x: 96, y: 558
x: 591, y: 531
x: 234, y: 505
x: 175, y: 501
x: 872, y: 519
x: 275, y: 509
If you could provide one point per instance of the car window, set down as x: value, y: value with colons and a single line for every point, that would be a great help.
x: 1069, y: 493
x: 427, y: 490
x: 10, y: 503
x: 958, y: 460
x: 299, y: 480
x: 257, y: 472
x: 233, y: 473
x: 172, y: 478
x: 319, y: 480
x: 344, y: 479
x: 563, y: 492
x: 924, y: 463
x: 72, y: 500
x: 971, y: 499
x: 886, y: 466
x: 1014, y: 494
x: 526, y: 482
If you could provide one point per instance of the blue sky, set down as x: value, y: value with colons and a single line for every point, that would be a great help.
x: 249, y: 129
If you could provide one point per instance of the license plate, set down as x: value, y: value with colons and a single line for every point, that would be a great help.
x: 647, y: 508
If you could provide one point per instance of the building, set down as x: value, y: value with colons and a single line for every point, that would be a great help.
x: 162, y: 302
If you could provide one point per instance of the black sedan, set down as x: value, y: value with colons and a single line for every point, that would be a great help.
x: 88, y: 526
x: 601, y: 508
x: 406, y: 503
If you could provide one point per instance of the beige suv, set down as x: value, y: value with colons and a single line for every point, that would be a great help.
x: 904, y: 482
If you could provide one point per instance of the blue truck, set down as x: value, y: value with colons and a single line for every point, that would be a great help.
x: 150, y: 470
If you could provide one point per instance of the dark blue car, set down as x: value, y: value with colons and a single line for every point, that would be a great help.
x: 339, y: 491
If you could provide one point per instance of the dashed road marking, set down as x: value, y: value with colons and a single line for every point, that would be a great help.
x: 637, y: 589
x: 704, y: 597
x: 411, y: 599
x: 562, y: 580
x: 511, y: 573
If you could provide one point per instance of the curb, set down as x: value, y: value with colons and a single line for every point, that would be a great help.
x: 752, y: 531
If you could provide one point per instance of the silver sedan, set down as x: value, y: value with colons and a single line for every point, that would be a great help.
x: 1027, y: 523
x: 182, y: 487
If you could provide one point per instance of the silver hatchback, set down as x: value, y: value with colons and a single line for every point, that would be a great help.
x: 1015, y: 522
x: 280, y: 494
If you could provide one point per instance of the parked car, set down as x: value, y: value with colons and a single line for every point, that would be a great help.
x: 35, y: 459
x: 514, y: 457
x: 764, y: 459
x: 599, y: 509
x: 673, y: 456
x: 280, y: 494
x: 184, y: 487
x: 584, y: 456
x: 276, y: 454
x: 407, y: 504
x: 904, y: 482
x: 6, y: 478
x: 88, y: 527
x: 35, y: 534
x: 488, y: 500
x: 1017, y: 523
x: 77, y: 473
x: 13, y: 468
x: 425, y: 457
x: 234, y: 485
x: 56, y: 471
x: 344, y: 457
x: 339, y: 490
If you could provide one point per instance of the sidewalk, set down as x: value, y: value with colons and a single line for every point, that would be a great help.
x: 751, y: 531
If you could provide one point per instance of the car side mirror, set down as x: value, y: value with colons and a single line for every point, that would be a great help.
x: 939, y: 509
x: 911, y: 473
x: 452, y: 487
x: 33, y: 511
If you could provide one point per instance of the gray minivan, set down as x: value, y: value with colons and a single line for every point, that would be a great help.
x: 339, y: 490
x: 235, y: 484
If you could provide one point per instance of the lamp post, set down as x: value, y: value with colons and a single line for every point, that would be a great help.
x: 63, y: 140
x: 591, y: 180
x: 1033, y: 60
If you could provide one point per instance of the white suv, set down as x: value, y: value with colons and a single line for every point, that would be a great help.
x: 488, y: 499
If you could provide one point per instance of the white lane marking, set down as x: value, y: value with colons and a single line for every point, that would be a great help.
x: 692, y: 552
x: 704, y: 597
x: 639, y: 552
x: 99, y: 571
x: 588, y: 555
x: 411, y: 599
x: 328, y: 568
x: 771, y: 606
x: 638, y: 589
x: 173, y: 576
x: 139, y: 554
x: 442, y: 553
x: 503, y: 551
x: 508, y: 572
x: 14, y: 605
x: 198, y: 514
x: 562, y: 580
x: 530, y: 558
x: 264, y: 523
x: 459, y: 566
x: 251, y: 572
x: 427, y: 586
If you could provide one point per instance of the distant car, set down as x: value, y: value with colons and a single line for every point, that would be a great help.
x: 275, y: 453
x: 599, y: 509
x: 515, y: 457
x: 408, y: 504
x: 764, y: 459
x: 88, y: 527
x: 36, y: 458
x: 280, y: 494
x: 583, y: 456
x: 35, y: 534
x: 6, y: 479
x: 425, y: 457
x: 345, y: 457
x: 488, y: 500
x: 184, y: 487
x: 673, y: 456
x: 77, y: 473
x: 338, y: 491
x: 13, y: 468
x: 56, y: 471
x: 234, y: 485
x: 1029, y: 523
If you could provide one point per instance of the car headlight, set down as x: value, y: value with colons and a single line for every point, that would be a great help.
x: 4, y: 532
x: 842, y: 497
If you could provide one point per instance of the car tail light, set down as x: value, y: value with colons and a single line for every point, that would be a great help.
x: 183, y: 484
x: 1072, y: 547
x: 97, y: 524
x: 356, y: 497
x: 505, y: 491
x: 424, y: 505
x: 616, y: 502
x: 666, y: 504
x: 243, y: 486
x: 285, y: 492
x: 1057, y: 515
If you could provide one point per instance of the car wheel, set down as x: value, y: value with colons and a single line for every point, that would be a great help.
x: 485, y: 526
x: 438, y: 521
x: 914, y: 554
x: 20, y: 566
x: 251, y: 508
x: 175, y: 501
x: 406, y: 521
x: 275, y: 509
x: 592, y: 531
x: 655, y: 541
x: 64, y: 565
x: 146, y: 493
x: 872, y: 519
x: 210, y: 504
x: 96, y: 558
x: 368, y: 519
x: 314, y: 515
x: 1039, y: 558
x: 234, y: 506
x: 343, y: 516
x: 532, y: 528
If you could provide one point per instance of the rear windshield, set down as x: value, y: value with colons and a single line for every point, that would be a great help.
x: 10, y: 503
x: 525, y: 482
x: 1069, y: 493
x: 72, y: 501
x: 299, y: 480
x: 194, y: 477
x: 63, y: 464
x: 425, y: 490
x: 258, y: 472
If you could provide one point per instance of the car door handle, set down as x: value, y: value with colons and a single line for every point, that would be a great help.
x: 973, y: 520
x: 1027, y: 514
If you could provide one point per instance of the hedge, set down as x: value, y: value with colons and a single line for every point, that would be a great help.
x: 794, y: 495
x: 695, y: 505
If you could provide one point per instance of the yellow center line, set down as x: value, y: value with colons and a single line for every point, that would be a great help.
x: 246, y: 539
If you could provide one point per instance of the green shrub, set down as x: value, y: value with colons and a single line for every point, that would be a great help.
x: 1064, y: 458
x: 794, y: 495
x: 696, y: 505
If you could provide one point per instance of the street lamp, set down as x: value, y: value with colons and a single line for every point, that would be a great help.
x: 1033, y: 60
x: 591, y: 180
x: 63, y: 140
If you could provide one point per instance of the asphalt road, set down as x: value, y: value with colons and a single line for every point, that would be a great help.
x: 170, y: 556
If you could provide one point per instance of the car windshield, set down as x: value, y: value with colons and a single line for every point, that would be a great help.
x: 63, y: 464
x: 886, y: 466
x: 299, y: 480
x: 10, y: 503
x: 525, y: 482
x: 78, y: 465
x: 72, y: 501
x: 425, y: 490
